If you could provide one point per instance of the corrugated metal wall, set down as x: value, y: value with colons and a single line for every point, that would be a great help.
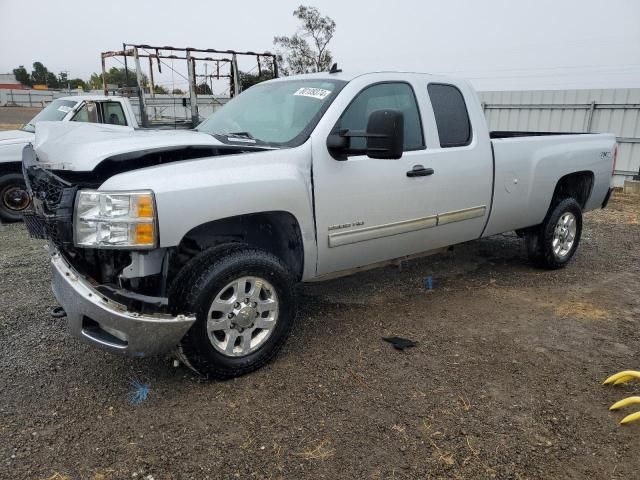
x: 607, y: 111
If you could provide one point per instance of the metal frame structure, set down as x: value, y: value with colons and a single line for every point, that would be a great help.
x: 138, y: 51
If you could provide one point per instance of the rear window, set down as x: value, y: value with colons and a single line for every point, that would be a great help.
x: 452, y: 118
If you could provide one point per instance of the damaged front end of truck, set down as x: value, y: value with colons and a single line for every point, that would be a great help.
x: 112, y: 297
x: 109, y: 273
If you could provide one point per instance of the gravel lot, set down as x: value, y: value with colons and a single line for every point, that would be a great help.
x: 14, y: 117
x: 505, y: 381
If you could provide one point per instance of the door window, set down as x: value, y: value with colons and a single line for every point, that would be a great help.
x: 113, y: 113
x: 87, y: 113
x: 382, y: 96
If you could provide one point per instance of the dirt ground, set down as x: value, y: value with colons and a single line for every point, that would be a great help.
x: 505, y: 381
x: 14, y: 117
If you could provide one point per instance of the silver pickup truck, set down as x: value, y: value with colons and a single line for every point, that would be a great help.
x: 194, y: 241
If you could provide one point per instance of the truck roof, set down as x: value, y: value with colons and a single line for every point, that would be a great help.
x: 346, y: 76
x: 89, y: 97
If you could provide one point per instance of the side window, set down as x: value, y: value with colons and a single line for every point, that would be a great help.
x: 395, y: 96
x: 87, y: 113
x: 452, y: 118
x: 113, y: 113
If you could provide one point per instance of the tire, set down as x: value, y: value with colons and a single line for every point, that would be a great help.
x: 552, y: 244
x: 14, y: 198
x: 221, y: 347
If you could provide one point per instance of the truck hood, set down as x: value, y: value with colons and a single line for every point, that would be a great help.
x: 82, y: 146
x: 12, y: 137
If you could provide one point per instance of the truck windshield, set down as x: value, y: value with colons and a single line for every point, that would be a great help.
x: 279, y: 114
x: 54, y: 112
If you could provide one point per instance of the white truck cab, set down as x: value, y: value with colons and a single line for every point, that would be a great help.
x: 14, y: 199
x: 194, y: 240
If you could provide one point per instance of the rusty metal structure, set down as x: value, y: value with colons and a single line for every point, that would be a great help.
x: 191, y: 56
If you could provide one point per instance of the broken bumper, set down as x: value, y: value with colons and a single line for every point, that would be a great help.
x: 100, y: 321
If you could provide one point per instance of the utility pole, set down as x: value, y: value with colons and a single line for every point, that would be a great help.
x: 66, y: 72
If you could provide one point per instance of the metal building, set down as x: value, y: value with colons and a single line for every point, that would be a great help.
x: 601, y: 111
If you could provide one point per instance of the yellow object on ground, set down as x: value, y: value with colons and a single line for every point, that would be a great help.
x: 622, y: 377
x: 625, y: 402
x: 630, y: 418
x: 617, y: 379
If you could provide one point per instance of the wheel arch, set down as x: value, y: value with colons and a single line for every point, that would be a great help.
x: 576, y: 185
x: 10, y: 167
x: 277, y: 232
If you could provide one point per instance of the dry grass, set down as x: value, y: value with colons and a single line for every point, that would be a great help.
x: 581, y: 311
x: 10, y: 126
x: 321, y: 452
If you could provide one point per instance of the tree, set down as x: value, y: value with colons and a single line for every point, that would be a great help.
x: 75, y: 83
x: 52, y: 81
x: 298, y: 54
x: 203, y: 89
x: 116, y: 76
x: 160, y: 89
x: 22, y: 75
x: 39, y: 74
x: 177, y: 91
x: 265, y: 72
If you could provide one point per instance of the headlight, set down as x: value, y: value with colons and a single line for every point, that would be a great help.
x: 115, y: 219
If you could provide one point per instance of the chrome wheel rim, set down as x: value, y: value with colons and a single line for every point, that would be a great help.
x: 242, y: 316
x: 564, y: 234
x: 15, y: 198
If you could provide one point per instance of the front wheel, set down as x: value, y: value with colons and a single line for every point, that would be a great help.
x: 245, y: 306
x: 552, y: 244
x: 14, y: 198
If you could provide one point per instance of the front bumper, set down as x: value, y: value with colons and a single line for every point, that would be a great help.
x: 98, y: 320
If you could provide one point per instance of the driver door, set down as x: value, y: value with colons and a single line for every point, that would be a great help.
x: 370, y: 210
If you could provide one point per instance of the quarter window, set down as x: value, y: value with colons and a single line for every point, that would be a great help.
x: 452, y: 118
x: 382, y: 96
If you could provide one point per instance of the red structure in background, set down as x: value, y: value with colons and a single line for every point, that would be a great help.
x: 8, y: 82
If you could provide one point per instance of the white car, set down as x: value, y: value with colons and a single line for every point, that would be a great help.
x: 195, y: 240
x: 14, y: 200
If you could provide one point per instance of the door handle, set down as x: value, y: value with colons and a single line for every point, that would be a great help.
x: 420, y: 171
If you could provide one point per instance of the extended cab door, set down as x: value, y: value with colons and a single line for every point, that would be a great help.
x: 369, y: 210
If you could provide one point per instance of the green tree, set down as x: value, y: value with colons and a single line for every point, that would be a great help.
x: 264, y: 72
x: 75, y: 83
x: 22, y: 75
x: 52, y: 80
x: 39, y: 74
x: 203, y: 89
x: 177, y: 91
x: 116, y: 76
x: 160, y: 89
x: 306, y: 50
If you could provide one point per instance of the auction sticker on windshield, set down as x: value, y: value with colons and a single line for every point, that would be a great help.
x: 319, y: 93
x: 64, y: 109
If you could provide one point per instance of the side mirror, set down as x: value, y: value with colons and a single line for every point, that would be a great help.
x: 384, y: 134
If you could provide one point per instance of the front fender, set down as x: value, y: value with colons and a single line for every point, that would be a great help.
x: 194, y: 192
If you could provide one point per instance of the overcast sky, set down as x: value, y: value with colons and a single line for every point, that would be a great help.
x: 498, y: 44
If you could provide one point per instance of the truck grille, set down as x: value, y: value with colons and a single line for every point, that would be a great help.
x: 53, y: 198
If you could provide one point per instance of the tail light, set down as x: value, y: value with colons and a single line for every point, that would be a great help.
x: 615, y: 159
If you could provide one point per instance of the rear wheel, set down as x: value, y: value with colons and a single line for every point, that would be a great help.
x: 553, y: 243
x: 245, y: 305
x: 14, y: 198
